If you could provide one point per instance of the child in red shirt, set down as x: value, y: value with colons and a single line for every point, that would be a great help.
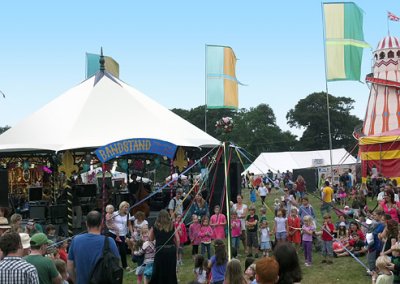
x: 294, y: 234
x: 327, y: 231
x: 181, y: 230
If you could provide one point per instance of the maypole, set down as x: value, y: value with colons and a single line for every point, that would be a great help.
x: 228, y: 196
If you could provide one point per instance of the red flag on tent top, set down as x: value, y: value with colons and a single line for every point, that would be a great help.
x: 393, y: 17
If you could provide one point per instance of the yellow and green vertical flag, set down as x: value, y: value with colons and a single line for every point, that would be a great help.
x: 93, y: 65
x: 344, y: 41
x: 222, y: 85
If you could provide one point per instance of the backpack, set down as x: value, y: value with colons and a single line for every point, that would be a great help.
x: 107, y: 269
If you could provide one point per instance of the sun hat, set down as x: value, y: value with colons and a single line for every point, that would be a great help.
x: 346, y: 207
x: 39, y: 239
x: 369, y: 221
x: 4, y: 223
x: 342, y: 224
x: 25, y: 240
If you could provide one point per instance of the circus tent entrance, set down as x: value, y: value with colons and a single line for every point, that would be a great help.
x: 383, y: 152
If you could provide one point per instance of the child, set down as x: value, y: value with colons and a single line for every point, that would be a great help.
x: 342, y: 231
x: 236, y: 230
x: 234, y: 273
x: 294, y: 232
x: 306, y: 209
x: 110, y: 224
x: 218, y: 262
x: 253, y: 197
x: 385, y: 275
x: 263, y: 213
x: 342, y: 194
x: 251, y: 230
x: 327, y: 237
x: 396, y: 261
x: 308, y: 229
x: 138, y: 224
x: 200, y: 269
x: 149, y: 251
x: 194, y: 229
x: 61, y: 267
x: 205, y: 235
x: 218, y: 223
x: 265, y: 240
x: 280, y: 226
x: 250, y: 273
x: 356, y: 246
x: 62, y: 249
x: 51, y: 232
x: 180, y: 229
x: 277, y: 206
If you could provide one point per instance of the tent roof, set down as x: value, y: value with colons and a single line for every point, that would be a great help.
x: 283, y: 161
x: 99, y: 111
x: 384, y: 137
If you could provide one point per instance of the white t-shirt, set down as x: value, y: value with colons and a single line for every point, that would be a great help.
x: 262, y: 190
x: 265, y: 235
x: 178, y: 208
x: 280, y: 224
x: 121, y: 222
x: 138, y: 225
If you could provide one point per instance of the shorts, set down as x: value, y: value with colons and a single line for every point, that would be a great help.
x: 281, y: 235
x: 148, y: 270
x: 252, y: 239
x: 140, y: 269
x: 265, y: 246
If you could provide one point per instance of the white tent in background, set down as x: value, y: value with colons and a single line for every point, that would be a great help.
x: 283, y: 161
x: 99, y: 111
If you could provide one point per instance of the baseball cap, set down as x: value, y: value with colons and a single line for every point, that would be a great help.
x: 25, y: 240
x: 39, y: 239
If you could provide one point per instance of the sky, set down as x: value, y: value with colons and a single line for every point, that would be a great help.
x: 160, y: 46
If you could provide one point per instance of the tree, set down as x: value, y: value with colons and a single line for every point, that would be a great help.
x: 311, y: 113
x: 254, y: 129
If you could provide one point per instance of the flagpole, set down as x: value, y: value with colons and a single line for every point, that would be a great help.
x: 327, y: 92
x: 387, y: 20
x: 205, y: 91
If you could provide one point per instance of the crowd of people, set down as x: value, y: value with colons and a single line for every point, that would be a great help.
x: 272, y: 247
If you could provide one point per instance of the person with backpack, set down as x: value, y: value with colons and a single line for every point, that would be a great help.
x: 87, y: 249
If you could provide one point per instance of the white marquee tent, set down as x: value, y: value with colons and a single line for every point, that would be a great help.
x: 99, y: 111
x: 283, y: 161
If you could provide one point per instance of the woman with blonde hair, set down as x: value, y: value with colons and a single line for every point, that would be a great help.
x: 167, y: 243
x: 122, y: 222
x: 234, y: 274
x: 15, y: 222
x: 200, y: 206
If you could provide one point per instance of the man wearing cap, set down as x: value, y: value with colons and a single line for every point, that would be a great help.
x: 86, y: 249
x: 46, y: 268
x: 327, y: 198
x: 175, y: 206
x: 13, y: 268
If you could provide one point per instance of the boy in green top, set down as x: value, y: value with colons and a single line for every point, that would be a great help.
x: 45, y: 267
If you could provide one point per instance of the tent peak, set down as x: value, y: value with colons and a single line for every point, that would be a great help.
x: 102, y: 60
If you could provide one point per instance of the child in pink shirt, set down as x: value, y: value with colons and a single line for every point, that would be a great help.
x: 218, y: 223
x: 205, y: 235
x: 236, y: 230
x: 181, y: 231
x: 194, y: 230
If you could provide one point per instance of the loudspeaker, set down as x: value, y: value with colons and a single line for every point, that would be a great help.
x: 37, y: 212
x: 218, y: 180
x: 3, y: 188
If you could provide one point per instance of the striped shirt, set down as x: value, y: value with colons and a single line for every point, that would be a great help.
x: 16, y: 270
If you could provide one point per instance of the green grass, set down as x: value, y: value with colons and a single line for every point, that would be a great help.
x: 344, y: 270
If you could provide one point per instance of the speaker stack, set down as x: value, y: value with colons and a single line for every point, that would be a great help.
x: 3, y: 188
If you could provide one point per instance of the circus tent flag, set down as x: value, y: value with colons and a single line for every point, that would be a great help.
x: 93, y: 65
x: 222, y: 84
x: 393, y: 17
x: 344, y: 41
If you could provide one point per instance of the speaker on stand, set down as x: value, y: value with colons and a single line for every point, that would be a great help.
x: 4, y: 188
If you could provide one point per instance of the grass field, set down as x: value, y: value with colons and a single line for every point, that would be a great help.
x: 344, y: 270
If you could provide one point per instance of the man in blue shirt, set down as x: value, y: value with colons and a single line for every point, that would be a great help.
x: 86, y: 249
